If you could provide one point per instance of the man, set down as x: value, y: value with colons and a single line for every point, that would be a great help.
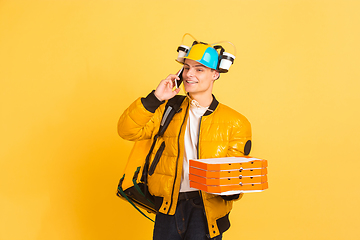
x: 202, y: 128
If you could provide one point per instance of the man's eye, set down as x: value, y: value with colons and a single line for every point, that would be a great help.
x: 200, y: 70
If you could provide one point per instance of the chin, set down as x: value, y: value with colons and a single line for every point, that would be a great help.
x: 188, y: 90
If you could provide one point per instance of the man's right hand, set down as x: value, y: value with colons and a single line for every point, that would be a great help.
x: 164, y: 90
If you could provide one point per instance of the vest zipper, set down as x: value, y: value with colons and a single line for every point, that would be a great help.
x: 177, y: 159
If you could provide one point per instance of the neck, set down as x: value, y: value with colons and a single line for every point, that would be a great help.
x: 203, y: 100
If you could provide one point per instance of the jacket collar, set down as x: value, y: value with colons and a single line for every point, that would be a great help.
x: 212, y: 106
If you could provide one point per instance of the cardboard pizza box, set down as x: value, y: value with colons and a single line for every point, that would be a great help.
x: 228, y: 180
x: 230, y: 189
x: 228, y: 163
x: 228, y: 173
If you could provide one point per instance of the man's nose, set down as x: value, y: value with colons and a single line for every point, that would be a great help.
x: 190, y: 72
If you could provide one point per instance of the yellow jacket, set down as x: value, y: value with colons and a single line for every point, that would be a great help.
x: 223, y: 132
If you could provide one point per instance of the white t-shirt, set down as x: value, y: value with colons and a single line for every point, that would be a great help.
x: 191, y: 141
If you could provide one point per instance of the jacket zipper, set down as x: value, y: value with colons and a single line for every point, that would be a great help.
x: 177, y: 160
x: 198, y: 140
x: 198, y: 157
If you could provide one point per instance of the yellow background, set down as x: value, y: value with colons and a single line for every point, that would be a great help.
x: 69, y: 68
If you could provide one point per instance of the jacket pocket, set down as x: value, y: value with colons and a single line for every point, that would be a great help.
x: 156, y: 158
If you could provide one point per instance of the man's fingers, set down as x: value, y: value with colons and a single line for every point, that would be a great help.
x: 165, y: 91
x: 172, y: 77
x: 170, y: 83
x: 177, y: 90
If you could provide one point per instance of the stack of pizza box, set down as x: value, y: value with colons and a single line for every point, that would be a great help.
x: 230, y: 175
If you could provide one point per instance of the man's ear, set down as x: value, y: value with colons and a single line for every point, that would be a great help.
x: 216, y: 75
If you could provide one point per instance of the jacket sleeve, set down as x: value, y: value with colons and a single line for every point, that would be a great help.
x: 240, y: 140
x: 140, y: 119
x: 239, y: 145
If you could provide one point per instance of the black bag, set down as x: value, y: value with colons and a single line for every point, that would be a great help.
x: 133, y: 184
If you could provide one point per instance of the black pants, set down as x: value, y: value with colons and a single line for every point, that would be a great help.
x: 188, y: 223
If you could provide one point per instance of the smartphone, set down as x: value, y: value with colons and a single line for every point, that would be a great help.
x: 178, y: 82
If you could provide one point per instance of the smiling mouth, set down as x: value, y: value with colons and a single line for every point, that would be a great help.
x: 190, y: 82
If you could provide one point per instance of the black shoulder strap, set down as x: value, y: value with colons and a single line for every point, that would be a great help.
x: 172, y: 107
